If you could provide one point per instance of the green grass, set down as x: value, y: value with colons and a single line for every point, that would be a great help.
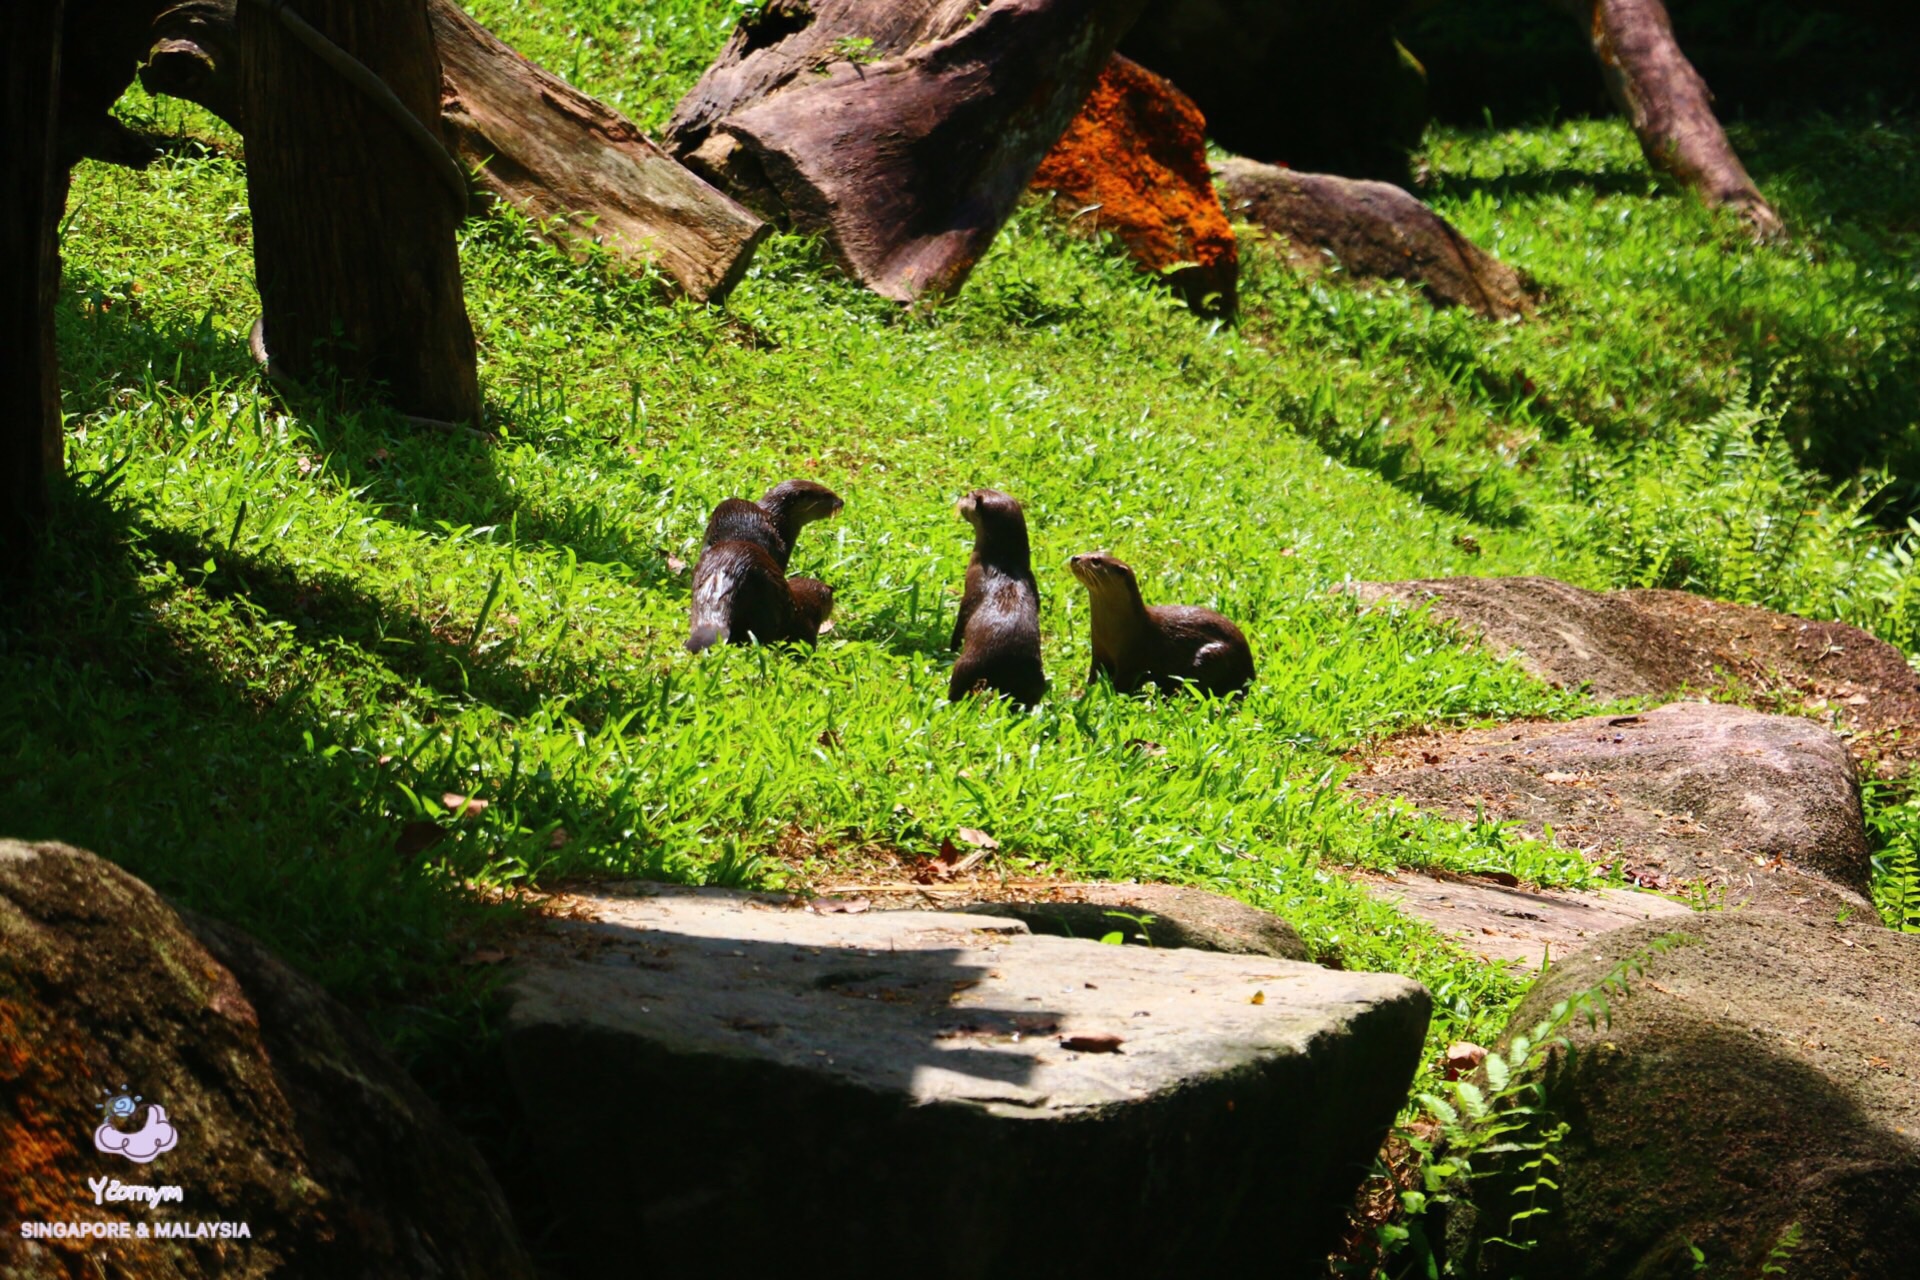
x: 269, y: 638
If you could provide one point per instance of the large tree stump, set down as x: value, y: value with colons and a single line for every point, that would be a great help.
x: 1669, y: 105
x: 580, y: 169
x: 1372, y: 229
x: 902, y: 133
x: 353, y: 230
x: 30, y: 194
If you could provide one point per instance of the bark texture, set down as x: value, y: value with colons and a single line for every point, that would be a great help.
x: 30, y: 195
x: 582, y: 170
x: 905, y: 151
x: 353, y: 231
x: 1373, y: 229
x: 1669, y: 105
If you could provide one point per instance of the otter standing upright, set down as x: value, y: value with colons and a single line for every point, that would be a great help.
x: 1169, y: 645
x: 740, y: 588
x: 998, y: 631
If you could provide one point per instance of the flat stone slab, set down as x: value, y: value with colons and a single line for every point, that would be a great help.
x: 1751, y: 808
x: 1631, y: 644
x: 1524, y: 926
x: 917, y: 1086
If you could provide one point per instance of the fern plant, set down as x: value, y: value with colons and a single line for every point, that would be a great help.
x: 1893, y: 828
x: 1464, y: 1131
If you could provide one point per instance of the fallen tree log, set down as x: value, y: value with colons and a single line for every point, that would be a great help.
x: 901, y: 132
x: 581, y: 170
x: 1372, y: 229
x: 1669, y: 105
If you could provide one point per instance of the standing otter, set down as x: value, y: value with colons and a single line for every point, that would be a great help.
x: 1169, y: 645
x: 998, y: 630
x: 740, y: 589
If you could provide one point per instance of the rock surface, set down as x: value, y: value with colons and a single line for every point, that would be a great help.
x: 938, y: 1094
x: 1373, y: 230
x: 284, y: 1112
x: 1176, y: 916
x: 1623, y: 644
x: 1136, y: 155
x: 1762, y: 1077
x: 1760, y: 808
x: 1525, y: 926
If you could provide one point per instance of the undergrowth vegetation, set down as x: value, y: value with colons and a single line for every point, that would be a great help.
x: 272, y: 638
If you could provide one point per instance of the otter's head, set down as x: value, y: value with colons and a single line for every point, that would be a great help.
x: 1104, y: 577
x: 989, y: 509
x: 794, y: 504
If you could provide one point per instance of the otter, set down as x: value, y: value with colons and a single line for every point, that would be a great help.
x: 740, y: 596
x: 740, y: 589
x: 1170, y: 645
x: 773, y: 523
x: 998, y: 630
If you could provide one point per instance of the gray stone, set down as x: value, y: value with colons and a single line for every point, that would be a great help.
x: 719, y: 1083
x: 284, y: 1112
x: 1525, y: 926
x: 1765, y: 1076
x: 1633, y: 644
x: 1156, y: 915
x: 1740, y: 806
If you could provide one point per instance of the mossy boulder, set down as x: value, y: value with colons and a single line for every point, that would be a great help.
x: 248, y: 1091
x: 1755, y: 1096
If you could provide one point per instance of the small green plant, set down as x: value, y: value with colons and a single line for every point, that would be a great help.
x: 1463, y: 1131
x: 1893, y: 829
x: 1139, y: 922
x: 1782, y: 1251
x: 855, y: 49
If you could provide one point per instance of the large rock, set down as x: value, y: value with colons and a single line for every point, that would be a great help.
x: 1136, y: 157
x: 717, y: 1081
x: 1750, y: 807
x: 1157, y: 915
x: 1626, y: 644
x: 1529, y: 927
x: 261, y: 1099
x: 1760, y: 1079
x: 1374, y: 230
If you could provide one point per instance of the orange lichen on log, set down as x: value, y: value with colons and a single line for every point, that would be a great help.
x: 1137, y: 154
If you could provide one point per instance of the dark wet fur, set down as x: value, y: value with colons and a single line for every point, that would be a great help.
x: 740, y: 596
x: 740, y: 589
x: 998, y: 630
x: 1170, y: 646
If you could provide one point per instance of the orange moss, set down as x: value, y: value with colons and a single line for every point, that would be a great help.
x: 1138, y: 151
x: 43, y: 1074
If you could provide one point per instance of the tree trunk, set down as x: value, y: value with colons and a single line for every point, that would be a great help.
x: 577, y: 166
x: 353, y: 229
x: 1669, y: 105
x: 906, y: 141
x: 30, y: 196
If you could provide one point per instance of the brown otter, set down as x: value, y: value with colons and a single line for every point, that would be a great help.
x: 740, y: 589
x: 739, y: 596
x: 773, y: 523
x: 1170, y: 645
x: 998, y: 630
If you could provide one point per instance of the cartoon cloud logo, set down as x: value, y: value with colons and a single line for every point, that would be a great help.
x: 143, y: 1144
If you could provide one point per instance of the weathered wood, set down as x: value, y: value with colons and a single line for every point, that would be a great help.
x: 1372, y: 229
x: 353, y: 231
x: 908, y: 165
x: 1669, y: 105
x: 30, y: 193
x: 583, y: 168
x: 580, y: 169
